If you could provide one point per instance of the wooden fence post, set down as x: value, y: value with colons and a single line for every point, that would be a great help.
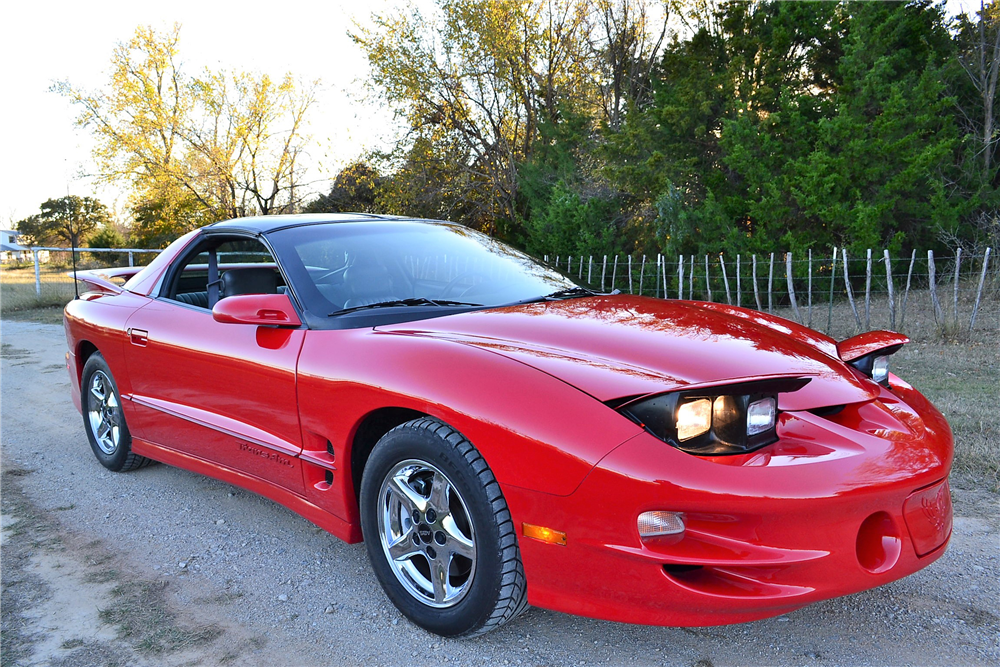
x: 891, y: 287
x: 691, y: 279
x: 630, y: 275
x: 892, y: 295
x: 680, y: 276
x: 756, y: 292
x: 906, y: 294
x: 979, y: 292
x: 708, y: 282
x: 958, y: 263
x: 739, y: 283
x: 850, y: 292
x: 833, y: 278
x: 590, y: 270
x: 604, y: 270
x: 770, y: 285
x: 614, y: 273
x: 546, y: 259
x: 810, y: 289
x: 868, y: 292
x: 725, y: 279
x: 657, y: 281
x: 791, y: 286
x: 663, y: 270
x: 642, y: 273
x: 938, y: 316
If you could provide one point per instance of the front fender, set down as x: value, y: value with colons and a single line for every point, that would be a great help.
x: 534, y: 430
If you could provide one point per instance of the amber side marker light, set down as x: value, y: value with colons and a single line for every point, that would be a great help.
x: 544, y: 534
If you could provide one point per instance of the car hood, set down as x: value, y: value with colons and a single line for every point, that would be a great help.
x: 620, y: 346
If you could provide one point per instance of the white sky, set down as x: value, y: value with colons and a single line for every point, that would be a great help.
x: 42, y: 154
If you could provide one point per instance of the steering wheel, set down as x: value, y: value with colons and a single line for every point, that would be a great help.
x: 457, y: 280
x: 325, y: 275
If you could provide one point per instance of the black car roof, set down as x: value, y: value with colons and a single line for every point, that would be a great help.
x: 263, y: 224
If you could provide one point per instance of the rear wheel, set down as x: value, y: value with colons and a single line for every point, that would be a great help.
x: 438, y: 531
x: 103, y: 418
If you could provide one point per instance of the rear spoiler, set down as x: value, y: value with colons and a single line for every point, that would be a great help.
x: 106, y: 280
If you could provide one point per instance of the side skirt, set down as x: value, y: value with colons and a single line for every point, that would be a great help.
x: 328, y: 522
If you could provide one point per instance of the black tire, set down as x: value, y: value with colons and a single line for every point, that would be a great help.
x: 488, y: 587
x: 104, y: 420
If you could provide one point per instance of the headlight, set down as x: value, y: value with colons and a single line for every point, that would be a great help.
x: 721, y: 420
x: 875, y: 365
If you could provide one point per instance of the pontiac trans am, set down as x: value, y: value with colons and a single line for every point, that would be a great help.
x: 499, y: 435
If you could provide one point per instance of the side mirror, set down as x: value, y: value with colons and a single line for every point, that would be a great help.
x: 269, y: 310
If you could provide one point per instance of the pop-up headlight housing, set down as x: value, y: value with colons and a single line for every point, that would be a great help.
x: 869, y: 353
x: 729, y: 419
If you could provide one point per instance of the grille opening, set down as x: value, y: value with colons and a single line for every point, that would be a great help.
x: 616, y: 403
x: 828, y: 411
x: 680, y: 569
x: 329, y: 477
x: 329, y: 448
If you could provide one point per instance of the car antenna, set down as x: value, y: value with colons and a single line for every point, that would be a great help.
x: 76, y: 285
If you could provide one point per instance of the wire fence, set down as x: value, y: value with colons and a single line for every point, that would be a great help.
x: 837, y: 292
x: 43, y: 276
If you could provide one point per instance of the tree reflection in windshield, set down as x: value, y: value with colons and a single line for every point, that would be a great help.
x: 350, y: 265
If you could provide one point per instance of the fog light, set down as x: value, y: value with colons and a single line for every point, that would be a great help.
x: 660, y: 523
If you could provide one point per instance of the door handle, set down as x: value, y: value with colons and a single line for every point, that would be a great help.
x: 138, y: 337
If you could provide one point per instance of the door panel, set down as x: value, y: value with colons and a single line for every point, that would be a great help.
x: 222, y: 392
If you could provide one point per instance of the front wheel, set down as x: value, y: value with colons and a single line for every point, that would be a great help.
x: 438, y: 531
x: 103, y: 418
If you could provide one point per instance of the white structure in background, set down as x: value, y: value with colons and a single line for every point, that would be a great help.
x: 12, y: 251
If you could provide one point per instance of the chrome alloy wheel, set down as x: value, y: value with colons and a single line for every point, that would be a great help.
x: 427, y: 533
x: 104, y: 413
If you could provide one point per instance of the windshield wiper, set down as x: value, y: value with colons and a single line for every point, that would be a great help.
x: 568, y: 293
x: 395, y: 303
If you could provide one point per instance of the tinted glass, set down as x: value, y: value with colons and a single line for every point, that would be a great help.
x: 351, y: 265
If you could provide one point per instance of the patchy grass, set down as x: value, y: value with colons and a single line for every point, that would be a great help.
x: 137, y: 607
x: 17, y: 288
x: 962, y: 380
x: 20, y: 589
x: 45, y: 315
x: 140, y: 611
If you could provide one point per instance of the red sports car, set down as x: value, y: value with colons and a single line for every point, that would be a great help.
x: 500, y: 435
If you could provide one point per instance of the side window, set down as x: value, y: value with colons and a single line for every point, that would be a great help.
x: 245, y: 266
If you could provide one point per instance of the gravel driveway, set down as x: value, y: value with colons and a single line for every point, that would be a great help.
x: 236, y: 578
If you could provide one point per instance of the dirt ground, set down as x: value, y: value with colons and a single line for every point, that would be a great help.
x: 164, y: 567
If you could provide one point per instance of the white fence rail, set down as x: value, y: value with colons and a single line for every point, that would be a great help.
x: 36, y: 249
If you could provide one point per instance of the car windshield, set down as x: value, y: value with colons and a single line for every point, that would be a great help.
x: 345, y: 267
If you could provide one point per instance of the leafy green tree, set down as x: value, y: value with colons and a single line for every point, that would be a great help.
x: 881, y: 168
x: 107, y: 236
x: 355, y: 188
x: 64, y: 221
x: 226, y: 143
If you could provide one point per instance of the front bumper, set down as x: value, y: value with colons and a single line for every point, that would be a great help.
x: 838, y: 505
